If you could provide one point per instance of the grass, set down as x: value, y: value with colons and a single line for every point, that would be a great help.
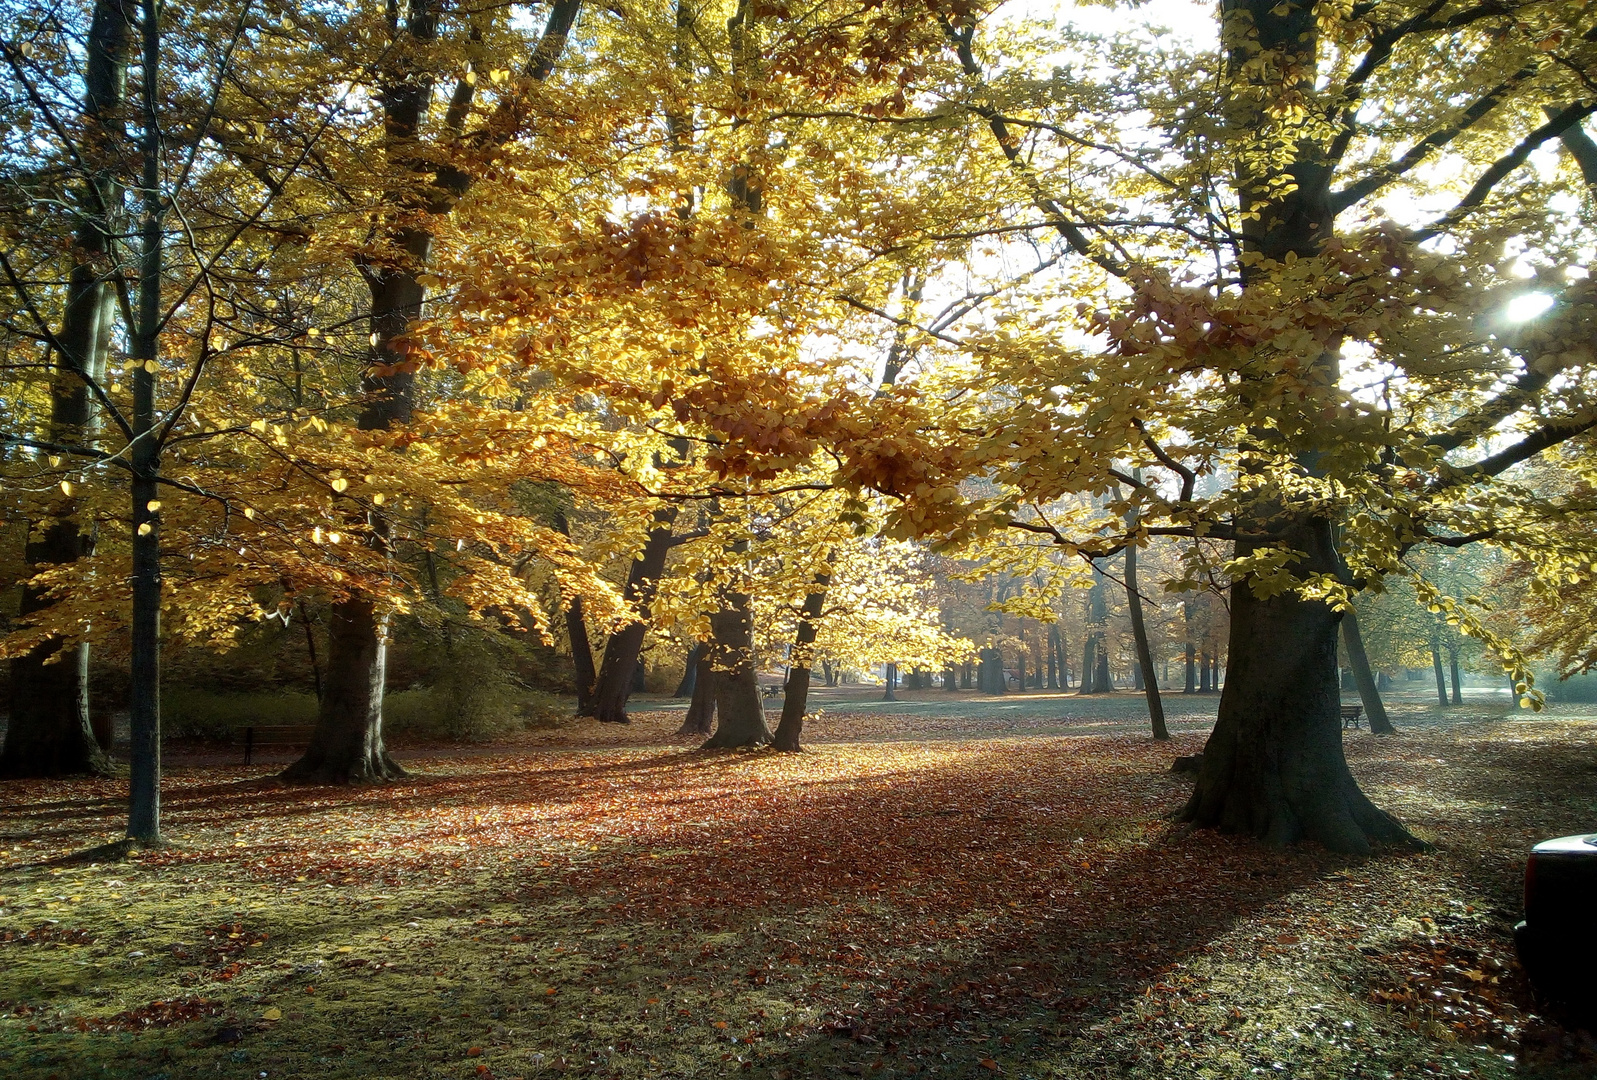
x: 609, y: 902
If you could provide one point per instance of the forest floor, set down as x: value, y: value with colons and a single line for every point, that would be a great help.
x: 932, y: 893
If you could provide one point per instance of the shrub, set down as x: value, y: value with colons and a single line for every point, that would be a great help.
x: 187, y: 713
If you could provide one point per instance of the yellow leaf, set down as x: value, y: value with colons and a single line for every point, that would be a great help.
x: 273, y: 1013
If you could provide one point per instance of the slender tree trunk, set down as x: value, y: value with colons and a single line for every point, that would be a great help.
x: 690, y: 671
x: 1053, y: 658
x: 144, y: 667
x: 1020, y: 661
x: 49, y: 732
x: 623, y: 648
x: 1458, y: 679
x: 1441, y: 680
x: 700, y: 717
x: 1139, y: 632
x: 581, y: 647
x: 890, y: 677
x: 1191, y: 686
x: 795, y: 698
x: 1274, y: 765
x: 1374, y: 708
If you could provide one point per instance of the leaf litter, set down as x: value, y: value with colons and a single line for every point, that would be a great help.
x: 957, y: 907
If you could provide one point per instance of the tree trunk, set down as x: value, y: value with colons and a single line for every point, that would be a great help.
x: 1053, y: 657
x: 1274, y: 766
x: 1191, y: 685
x: 144, y: 665
x: 581, y: 656
x: 347, y: 745
x: 890, y: 677
x: 1458, y: 680
x: 1362, y: 677
x: 623, y: 648
x: 581, y: 646
x: 964, y: 675
x: 700, y: 717
x: 1020, y: 661
x: 49, y: 731
x: 1102, y: 681
x: 1139, y: 632
x: 690, y: 671
x: 795, y: 697
x: 1436, y: 665
x: 740, y: 714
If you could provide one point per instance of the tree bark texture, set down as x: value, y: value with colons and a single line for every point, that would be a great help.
x: 1374, y: 708
x: 1458, y: 677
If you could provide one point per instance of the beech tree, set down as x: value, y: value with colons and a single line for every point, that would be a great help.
x: 1225, y: 306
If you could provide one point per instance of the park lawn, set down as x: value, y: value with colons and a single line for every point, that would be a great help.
x: 955, y: 908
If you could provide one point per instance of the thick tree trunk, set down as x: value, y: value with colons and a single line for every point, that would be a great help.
x: 624, y: 646
x: 49, y: 732
x: 890, y: 677
x: 1089, y: 663
x: 796, y: 695
x: 1458, y: 679
x: 690, y: 671
x: 740, y: 713
x: 1374, y: 708
x: 1102, y: 681
x: 1274, y: 767
x: 347, y: 745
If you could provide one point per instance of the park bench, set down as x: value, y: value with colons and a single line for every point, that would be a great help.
x: 275, y: 735
x: 1350, y: 716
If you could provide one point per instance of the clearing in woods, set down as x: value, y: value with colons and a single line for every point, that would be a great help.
x: 908, y: 898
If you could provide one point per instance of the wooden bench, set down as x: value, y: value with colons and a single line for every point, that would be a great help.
x: 275, y: 735
x: 1350, y: 716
